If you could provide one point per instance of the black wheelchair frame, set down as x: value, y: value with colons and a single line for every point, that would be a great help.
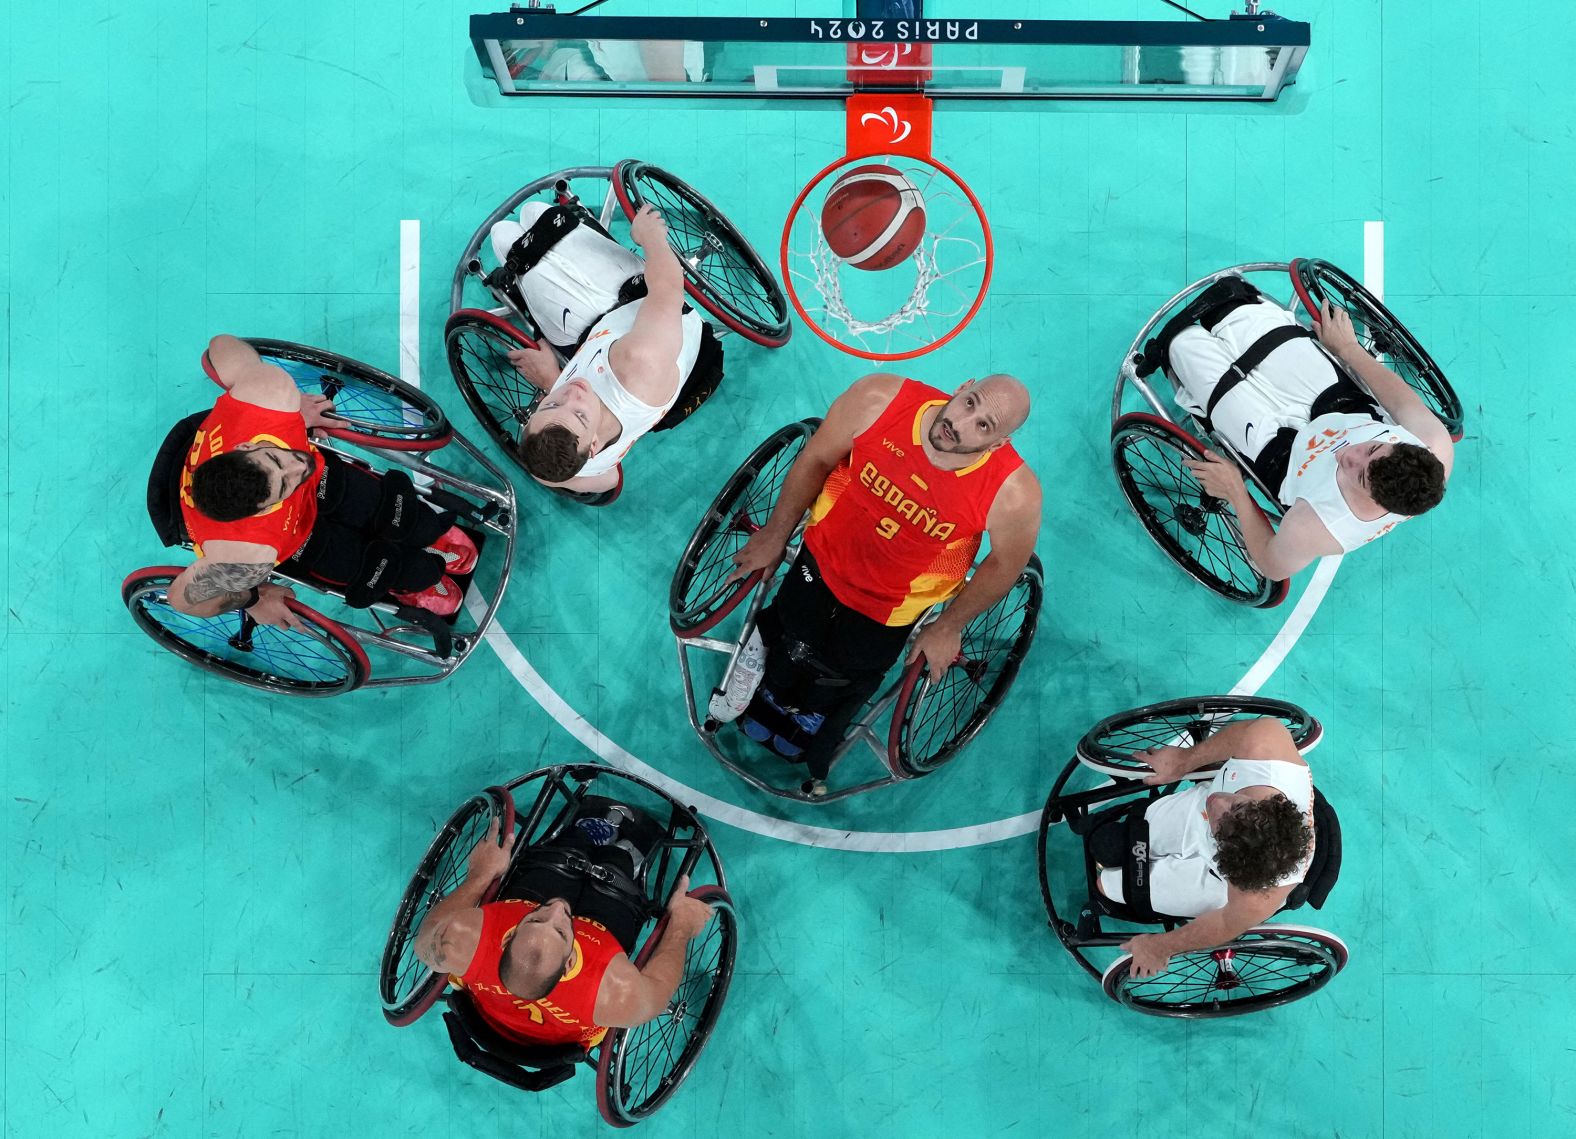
x: 927, y: 721
x: 628, y: 1090
x: 1197, y: 531
x: 1269, y: 965
x: 386, y: 420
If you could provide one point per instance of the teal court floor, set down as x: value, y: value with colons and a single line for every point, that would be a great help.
x: 198, y: 879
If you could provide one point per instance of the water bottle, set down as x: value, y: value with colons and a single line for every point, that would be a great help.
x: 729, y: 704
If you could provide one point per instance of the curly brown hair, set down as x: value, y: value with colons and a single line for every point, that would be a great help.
x: 1409, y: 480
x: 1260, y: 842
x: 552, y: 454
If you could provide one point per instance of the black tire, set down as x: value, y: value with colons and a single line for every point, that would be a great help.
x: 1268, y: 966
x: 500, y: 397
x: 722, y: 271
x: 1381, y: 334
x: 321, y: 659
x: 1196, y: 531
x: 933, y: 720
x: 378, y: 410
x: 640, y: 1068
x: 406, y: 987
x: 1109, y: 745
x: 698, y: 599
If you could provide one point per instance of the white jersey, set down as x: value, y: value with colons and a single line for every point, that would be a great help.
x: 1183, y: 880
x: 1311, y: 473
x: 592, y: 364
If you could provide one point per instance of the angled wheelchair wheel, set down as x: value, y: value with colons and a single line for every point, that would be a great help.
x: 1196, y: 530
x: 1268, y: 966
x: 1110, y: 745
x: 722, y: 271
x: 377, y: 409
x: 321, y: 659
x: 933, y: 720
x: 699, y: 597
x: 640, y: 1068
x: 501, y: 398
x: 1385, y: 337
x: 406, y: 986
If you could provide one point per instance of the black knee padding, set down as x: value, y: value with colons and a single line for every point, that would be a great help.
x: 381, y: 567
x: 1206, y: 309
x: 554, y: 224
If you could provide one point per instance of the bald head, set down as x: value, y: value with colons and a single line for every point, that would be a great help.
x: 980, y: 415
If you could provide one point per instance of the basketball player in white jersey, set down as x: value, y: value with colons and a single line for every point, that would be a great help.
x: 1346, y: 475
x: 627, y: 361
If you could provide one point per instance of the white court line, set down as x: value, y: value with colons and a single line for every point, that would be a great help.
x: 883, y: 842
x: 410, y: 302
x: 1373, y: 258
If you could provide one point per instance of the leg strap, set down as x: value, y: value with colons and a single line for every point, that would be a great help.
x: 555, y: 223
x: 1256, y: 354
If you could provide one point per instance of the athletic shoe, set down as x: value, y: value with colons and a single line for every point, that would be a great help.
x: 443, y: 599
x: 457, y: 550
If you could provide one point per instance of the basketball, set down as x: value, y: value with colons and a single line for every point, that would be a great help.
x: 873, y: 217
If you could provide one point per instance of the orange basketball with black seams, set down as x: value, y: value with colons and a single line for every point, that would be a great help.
x: 873, y: 217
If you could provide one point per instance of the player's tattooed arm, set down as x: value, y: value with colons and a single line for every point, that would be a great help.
x: 217, y: 587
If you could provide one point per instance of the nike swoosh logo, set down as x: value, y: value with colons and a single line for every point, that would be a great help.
x: 565, y: 319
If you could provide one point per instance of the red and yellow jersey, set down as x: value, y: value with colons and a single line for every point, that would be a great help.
x: 892, y: 533
x: 285, y: 525
x: 563, y: 1016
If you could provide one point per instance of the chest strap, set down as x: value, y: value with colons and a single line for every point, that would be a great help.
x: 1256, y: 354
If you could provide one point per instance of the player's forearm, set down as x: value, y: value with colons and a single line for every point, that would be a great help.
x: 663, y: 271
x: 663, y: 972
x: 208, y: 590
x: 1388, y: 388
x: 1205, y: 931
x: 1235, y: 739
x: 986, y: 586
x: 805, y: 479
x: 1257, y: 532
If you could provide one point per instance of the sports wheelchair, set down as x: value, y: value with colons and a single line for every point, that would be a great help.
x: 383, y: 419
x: 1269, y: 965
x: 722, y: 274
x: 1149, y: 448
x: 927, y: 722
x: 637, y: 1069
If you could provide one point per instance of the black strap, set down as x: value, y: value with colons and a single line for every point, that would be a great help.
x: 555, y: 224
x: 1256, y: 354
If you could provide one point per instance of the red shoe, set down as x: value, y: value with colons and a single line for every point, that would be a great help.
x: 443, y: 599
x: 457, y: 550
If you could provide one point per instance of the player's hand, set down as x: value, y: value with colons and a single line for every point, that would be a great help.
x: 687, y: 916
x: 1167, y: 763
x: 317, y: 410
x: 271, y: 608
x: 648, y: 227
x: 1149, y: 958
x: 489, y: 858
x: 1336, y: 332
x: 762, y: 552
x: 1219, y: 478
x: 938, y: 642
x: 539, y: 365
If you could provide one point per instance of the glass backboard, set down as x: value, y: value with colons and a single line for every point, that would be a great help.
x: 532, y: 52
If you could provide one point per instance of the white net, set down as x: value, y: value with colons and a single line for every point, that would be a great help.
x: 911, y: 307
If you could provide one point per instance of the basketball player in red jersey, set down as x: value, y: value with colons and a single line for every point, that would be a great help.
x: 255, y: 492
x: 543, y: 974
x: 902, y: 483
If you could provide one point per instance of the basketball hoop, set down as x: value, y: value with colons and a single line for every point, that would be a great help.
x: 925, y: 299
